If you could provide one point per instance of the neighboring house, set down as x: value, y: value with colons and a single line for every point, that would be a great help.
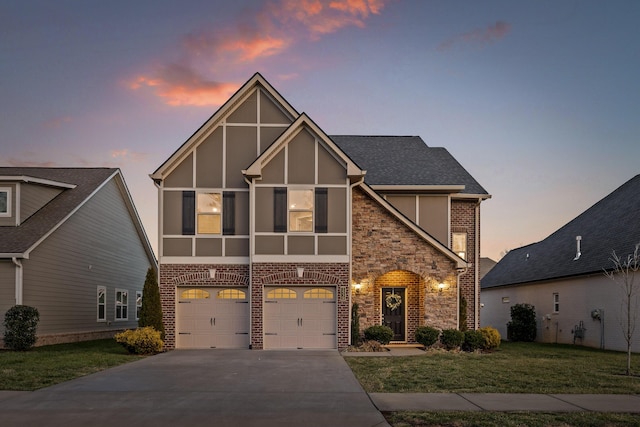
x: 72, y: 246
x: 269, y: 231
x: 562, y: 276
x: 486, y: 264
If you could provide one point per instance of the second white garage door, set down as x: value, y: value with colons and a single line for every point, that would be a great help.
x: 299, y: 317
x: 212, y: 318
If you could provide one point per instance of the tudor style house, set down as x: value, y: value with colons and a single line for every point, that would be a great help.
x: 270, y: 230
x: 72, y: 246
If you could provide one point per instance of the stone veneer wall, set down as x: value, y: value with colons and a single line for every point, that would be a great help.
x: 382, y: 244
x: 173, y: 275
x: 463, y: 221
x: 264, y: 274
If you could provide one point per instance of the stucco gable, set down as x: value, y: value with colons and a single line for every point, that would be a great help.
x: 237, y: 109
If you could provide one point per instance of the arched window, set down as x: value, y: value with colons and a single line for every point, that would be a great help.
x: 282, y: 293
x: 231, y: 294
x: 194, y: 294
x: 318, y: 293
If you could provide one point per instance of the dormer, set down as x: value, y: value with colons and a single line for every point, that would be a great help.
x: 21, y: 196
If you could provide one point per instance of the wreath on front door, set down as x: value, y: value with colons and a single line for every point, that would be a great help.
x: 393, y: 301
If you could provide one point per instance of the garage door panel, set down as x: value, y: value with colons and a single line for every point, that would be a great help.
x: 307, y: 320
x: 212, y: 318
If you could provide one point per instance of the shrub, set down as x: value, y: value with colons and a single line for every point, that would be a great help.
x: 473, y: 340
x: 451, y: 338
x: 151, y: 310
x: 522, y: 326
x: 20, y: 322
x: 490, y: 338
x: 355, y: 324
x: 140, y: 341
x: 427, y: 336
x: 381, y: 333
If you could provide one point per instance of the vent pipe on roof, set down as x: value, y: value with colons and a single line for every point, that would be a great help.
x: 578, y: 253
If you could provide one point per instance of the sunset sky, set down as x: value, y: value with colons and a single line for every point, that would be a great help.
x: 538, y: 100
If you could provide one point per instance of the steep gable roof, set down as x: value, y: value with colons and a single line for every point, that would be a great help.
x: 610, y: 224
x: 406, y: 161
x: 80, y: 185
x: 303, y: 121
x: 241, y: 94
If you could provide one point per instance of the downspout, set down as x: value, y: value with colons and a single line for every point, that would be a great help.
x: 252, y: 204
x: 18, y: 280
x: 349, y: 231
x: 460, y: 271
x: 476, y: 268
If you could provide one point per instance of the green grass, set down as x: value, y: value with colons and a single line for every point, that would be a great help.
x: 48, y: 365
x: 513, y: 368
x: 503, y: 419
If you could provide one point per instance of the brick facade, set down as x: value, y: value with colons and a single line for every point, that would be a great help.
x: 463, y: 220
x: 386, y: 253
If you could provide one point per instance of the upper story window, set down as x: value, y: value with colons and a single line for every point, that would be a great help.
x: 459, y: 244
x: 301, y: 210
x: 556, y: 303
x: 5, y: 201
x: 209, y: 213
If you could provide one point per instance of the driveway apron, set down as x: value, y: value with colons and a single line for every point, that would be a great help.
x: 205, y: 387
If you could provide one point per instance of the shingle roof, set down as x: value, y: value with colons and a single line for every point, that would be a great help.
x: 611, y: 224
x: 16, y: 240
x: 405, y: 160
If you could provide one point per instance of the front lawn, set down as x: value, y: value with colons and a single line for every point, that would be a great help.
x: 52, y: 364
x: 513, y: 368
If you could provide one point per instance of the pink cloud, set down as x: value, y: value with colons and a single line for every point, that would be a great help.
x: 20, y: 163
x: 129, y: 156
x: 478, y: 37
x: 56, y: 122
x: 179, y: 85
x: 272, y: 31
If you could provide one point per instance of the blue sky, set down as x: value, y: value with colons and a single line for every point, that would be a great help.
x: 539, y: 100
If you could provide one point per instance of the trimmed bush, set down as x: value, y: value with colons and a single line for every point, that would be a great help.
x: 140, y: 341
x: 151, y: 310
x: 381, y: 333
x: 427, y: 336
x: 490, y: 338
x: 522, y: 326
x: 451, y: 339
x: 462, y: 314
x: 20, y: 323
x: 355, y: 324
x: 473, y: 340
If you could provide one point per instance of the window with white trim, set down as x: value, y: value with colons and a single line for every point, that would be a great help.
x: 301, y: 210
x: 556, y: 302
x: 5, y: 201
x: 209, y: 213
x: 101, y: 302
x: 459, y: 244
x: 122, y: 301
x: 138, y: 304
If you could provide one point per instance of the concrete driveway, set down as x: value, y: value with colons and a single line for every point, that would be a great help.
x: 204, y: 387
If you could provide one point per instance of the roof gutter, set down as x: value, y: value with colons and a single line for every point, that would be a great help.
x: 19, y: 276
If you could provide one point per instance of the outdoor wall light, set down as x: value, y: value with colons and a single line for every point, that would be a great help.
x: 441, y: 287
x: 357, y: 287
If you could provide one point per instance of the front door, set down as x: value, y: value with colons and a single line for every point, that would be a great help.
x: 393, y: 311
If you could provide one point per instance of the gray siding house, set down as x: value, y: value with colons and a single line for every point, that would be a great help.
x: 270, y: 230
x: 71, y: 245
x: 562, y: 276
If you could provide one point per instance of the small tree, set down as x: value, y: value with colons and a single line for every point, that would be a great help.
x: 355, y: 324
x: 624, y: 274
x: 522, y: 326
x: 463, y: 314
x: 20, y: 322
x: 151, y: 310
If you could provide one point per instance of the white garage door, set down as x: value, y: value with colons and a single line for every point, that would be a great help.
x: 299, y: 317
x: 212, y: 318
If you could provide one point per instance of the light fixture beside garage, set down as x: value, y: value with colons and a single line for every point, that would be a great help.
x: 300, y: 271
